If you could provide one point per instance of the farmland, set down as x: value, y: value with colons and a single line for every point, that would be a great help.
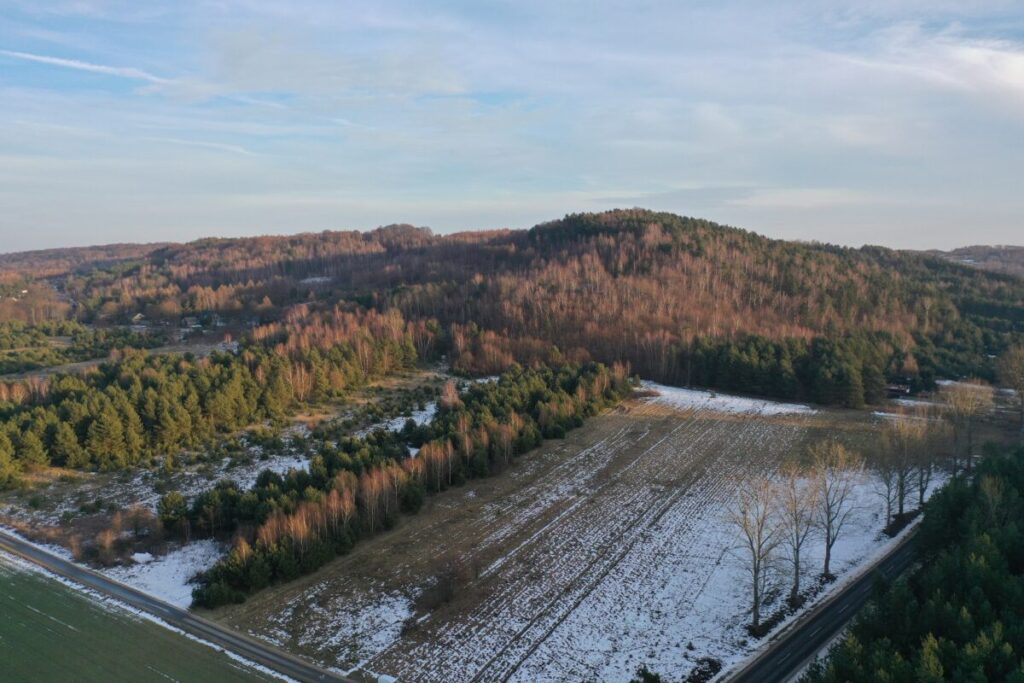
x: 591, y: 556
x: 49, y: 631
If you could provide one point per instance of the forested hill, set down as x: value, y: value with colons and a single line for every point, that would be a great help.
x: 683, y: 300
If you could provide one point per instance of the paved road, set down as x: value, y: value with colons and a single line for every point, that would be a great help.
x: 249, y: 648
x: 794, y: 649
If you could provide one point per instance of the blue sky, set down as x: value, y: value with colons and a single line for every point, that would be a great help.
x: 896, y: 122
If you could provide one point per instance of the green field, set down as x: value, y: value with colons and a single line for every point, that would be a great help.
x: 49, y: 632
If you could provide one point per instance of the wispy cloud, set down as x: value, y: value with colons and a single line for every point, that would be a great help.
x: 812, y: 120
x: 803, y: 198
x: 219, y: 146
x: 78, y: 65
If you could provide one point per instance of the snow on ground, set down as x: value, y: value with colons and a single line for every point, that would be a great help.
x: 167, y: 577
x: 357, y: 628
x: 692, y: 602
x: 622, y: 554
x: 245, y: 475
x: 395, y: 424
x: 686, y: 399
x: 914, y: 402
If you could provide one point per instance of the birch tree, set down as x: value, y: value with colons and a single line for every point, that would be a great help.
x: 795, y: 501
x: 965, y: 403
x: 753, y: 517
x: 904, y: 438
x: 1010, y: 368
x: 836, y: 471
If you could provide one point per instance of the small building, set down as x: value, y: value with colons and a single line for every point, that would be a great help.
x: 897, y: 390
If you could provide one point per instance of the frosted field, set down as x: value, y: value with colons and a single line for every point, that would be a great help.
x: 593, y: 556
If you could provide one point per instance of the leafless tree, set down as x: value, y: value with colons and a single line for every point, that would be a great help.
x: 965, y: 403
x: 904, y: 439
x: 795, y: 501
x: 836, y: 472
x: 1010, y: 368
x: 886, y: 479
x: 753, y: 517
x: 933, y: 447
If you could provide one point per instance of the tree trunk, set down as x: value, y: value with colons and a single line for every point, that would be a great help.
x: 970, y: 444
x: 828, y: 555
x: 795, y: 592
x: 755, y: 612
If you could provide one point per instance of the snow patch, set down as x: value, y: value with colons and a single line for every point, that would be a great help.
x: 167, y: 577
x: 695, y: 399
x: 395, y: 424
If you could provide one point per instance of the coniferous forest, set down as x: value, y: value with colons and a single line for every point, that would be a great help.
x: 958, y: 616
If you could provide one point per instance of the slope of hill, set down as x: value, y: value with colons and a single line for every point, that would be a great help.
x: 684, y: 300
x: 999, y: 259
x: 55, y: 262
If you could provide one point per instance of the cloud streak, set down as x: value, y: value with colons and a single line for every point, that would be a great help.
x: 78, y: 65
x: 806, y: 120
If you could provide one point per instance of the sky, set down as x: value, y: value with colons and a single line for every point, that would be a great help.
x: 894, y: 122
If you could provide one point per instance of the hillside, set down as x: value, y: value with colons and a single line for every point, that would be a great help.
x: 683, y: 300
x: 999, y: 259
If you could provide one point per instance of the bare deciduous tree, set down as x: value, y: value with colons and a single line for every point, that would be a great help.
x: 753, y: 517
x: 886, y: 478
x: 836, y: 472
x: 936, y: 438
x: 965, y: 403
x: 904, y: 439
x: 795, y: 501
x: 1010, y: 368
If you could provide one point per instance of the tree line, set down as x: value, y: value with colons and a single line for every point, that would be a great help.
x: 292, y: 525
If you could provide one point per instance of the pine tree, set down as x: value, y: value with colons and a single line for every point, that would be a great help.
x: 31, y: 451
x: 105, y: 440
x: 66, y: 450
x: 8, y: 465
x: 929, y: 667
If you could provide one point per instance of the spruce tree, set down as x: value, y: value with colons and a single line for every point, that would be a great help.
x: 31, y: 451
x: 105, y: 440
x: 66, y: 450
x: 8, y: 465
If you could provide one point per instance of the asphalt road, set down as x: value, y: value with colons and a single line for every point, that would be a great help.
x: 795, y: 648
x: 249, y: 648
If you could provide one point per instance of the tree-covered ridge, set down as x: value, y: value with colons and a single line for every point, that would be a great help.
x: 287, y: 526
x: 682, y: 300
x: 960, y: 616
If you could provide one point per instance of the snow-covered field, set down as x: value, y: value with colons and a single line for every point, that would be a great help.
x: 598, y: 554
x: 696, y: 399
